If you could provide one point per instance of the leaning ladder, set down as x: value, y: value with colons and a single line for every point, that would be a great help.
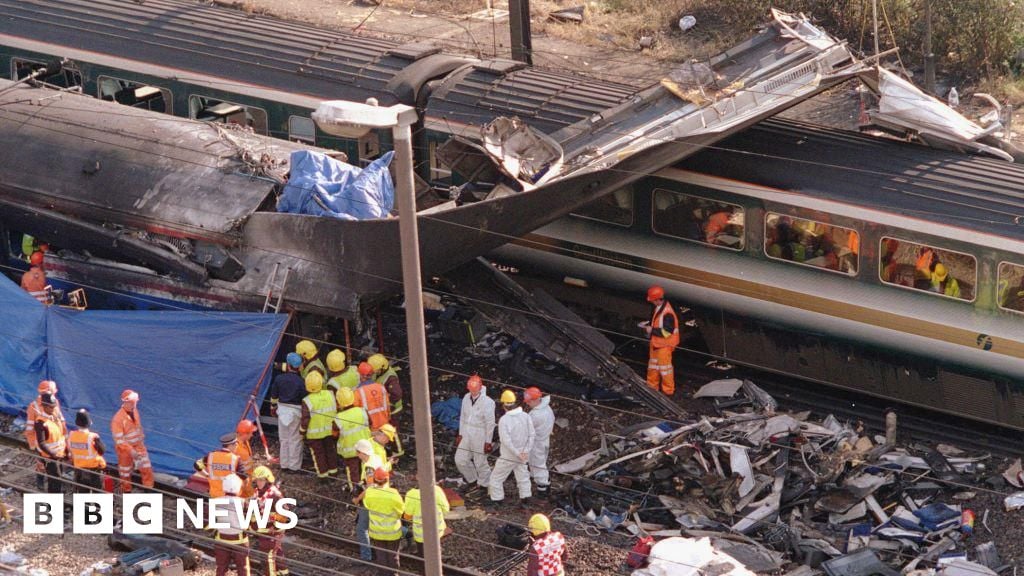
x: 275, y: 292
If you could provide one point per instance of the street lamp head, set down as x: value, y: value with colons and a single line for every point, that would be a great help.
x: 354, y: 119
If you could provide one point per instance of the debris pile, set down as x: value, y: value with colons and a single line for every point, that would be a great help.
x: 754, y: 490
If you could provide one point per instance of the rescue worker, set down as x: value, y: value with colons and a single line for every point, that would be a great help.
x: 476, y: 431
x: 318, y: 412
x: 338, y: 374
x: 352, y: 426
x: 383, y: 436
x: 385, y: 507
x: 51, y: 442
x: 220, y: 464
x: 548, y: 551
x: 663, y: 330
x: 243, y: 449
x: 516, y: 435
x: 31, y: 413
x: 269, y: 540
x: 372, y: 397
x: 543, y: 419
x: 232, y: 542
x: 369, y: 461
x: 87, y: 449
x: 414, y: 512
x: 34, y: 280
x: 943, y: 283
x: 310, y: 361
x: 129, y: 442
x: 286, y: 394
x: 387, y: 376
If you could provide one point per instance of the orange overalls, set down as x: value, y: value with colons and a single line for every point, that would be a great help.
x: 131, y: 451
x: 663, y: 342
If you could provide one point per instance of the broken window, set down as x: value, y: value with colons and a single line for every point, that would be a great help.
x: 301, y: 129
x: 1011, y: 287
x: 614, y: 208
x: 134, y: 94
x: 927, y: 268
x: 811, y: 243
x: 67, y: 77
x: 212, y: 110
x: 699, y: 219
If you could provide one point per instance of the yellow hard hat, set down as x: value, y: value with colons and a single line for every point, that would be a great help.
x: 941, y: 272
x: 539, y: 524
x: 306, y: 349
x: 335, y: 360
x: 508, y: 397
x: 345, y: 397
x: 379, y: 362
x: 264, y: 473
x: 389, y: 431
x: 314, y: 382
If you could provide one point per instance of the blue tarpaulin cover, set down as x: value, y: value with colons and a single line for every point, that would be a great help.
x: 447, y: 412
x: 193, y: 370
x: 319, y: 185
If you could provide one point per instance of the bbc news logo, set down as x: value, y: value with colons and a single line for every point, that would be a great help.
x: 144, y: 513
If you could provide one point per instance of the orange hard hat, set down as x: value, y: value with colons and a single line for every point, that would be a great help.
x: 380, y: 475
x: 365, y: 369
x: 655, y: 293
x: 129, y: 396
x: 531, y: 393
x: 475, y: 383
x: 47, y: 387
x: 245, y: 427
x: 36, y: 259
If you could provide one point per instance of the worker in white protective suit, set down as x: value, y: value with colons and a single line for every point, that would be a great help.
x: 543, y: 419
x: 515, y: 433
x: 476, y: 431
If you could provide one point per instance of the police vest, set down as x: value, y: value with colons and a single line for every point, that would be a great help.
x: 657, y: 318
x: 548, y: 549
x: 55, y: 440
x: 396, y: 403
x: 385, y: 507
x: 219, y: 464
x: 354, y: 426
x: 349, y: 378
x: 83, y: 450
x: 322, y: 408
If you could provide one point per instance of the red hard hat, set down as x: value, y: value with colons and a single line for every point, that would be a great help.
x: 47, y: 387
x: 380, y: 475
x: 655, y: 293
x: 365, y: 369
x: 531, y: 393
x: 36, y: 259
x: 474, y: 383
x: 245, y: 427
x: 129, y: 395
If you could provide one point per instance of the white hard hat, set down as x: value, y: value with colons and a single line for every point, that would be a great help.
x: 232, y: 484
x: 364, y: 446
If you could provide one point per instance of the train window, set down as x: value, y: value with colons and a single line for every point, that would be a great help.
x: 212, y: 110
x: 812, y: 243
x: 301, y: 129
x: 68, y: 77
x: 703, y: 220
x: 134, y: 94
x: 614, y: 208
x: 439, y: 171
x: 1011, y: 287
x: 926, y: 268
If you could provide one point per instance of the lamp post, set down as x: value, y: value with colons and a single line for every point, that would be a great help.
x: 352, y: 120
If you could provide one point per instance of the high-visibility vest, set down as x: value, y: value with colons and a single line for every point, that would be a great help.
x: 315, y: 363
x: 414, y: 508
x: 374, y: 398
x: 56, y: 442
x: 219, y: 464
x: 385, y: 506
x: 348, y: 378
x: 125, y: 429
x: 83, y: 450
x: 354, y: 426
x: 372, y: 463
x: 549, y: 549
x: 322, y: 408
x: 244, y: 452
x: 33, y: 413
x: 657, y: 339
x: 396, y: 403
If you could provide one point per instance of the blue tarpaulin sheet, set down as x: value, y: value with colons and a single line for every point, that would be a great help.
x: 194, y: 370
x: 319, y: 185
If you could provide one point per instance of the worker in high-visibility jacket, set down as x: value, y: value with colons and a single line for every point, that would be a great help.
x: 34, y: 281
x: 385, y: 507
x: 352, y: 426
x: 339, y: 374
x: 87, y: 451
x: 316, y: 424
x: 547, y: 552
x: 414, y: 512
x: 243, y: 449
x: 31, y: 413
x: 270, y: 540
x: 129, y: 442
x: 232, y: 542
x: 663, y: 330
x: 220, y: 464
x: 372, y: 397
x: 310, y: 360
x: 369, y: 462
x: 383, y: 441
x: 387, y: 376
x: 51, y: 442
